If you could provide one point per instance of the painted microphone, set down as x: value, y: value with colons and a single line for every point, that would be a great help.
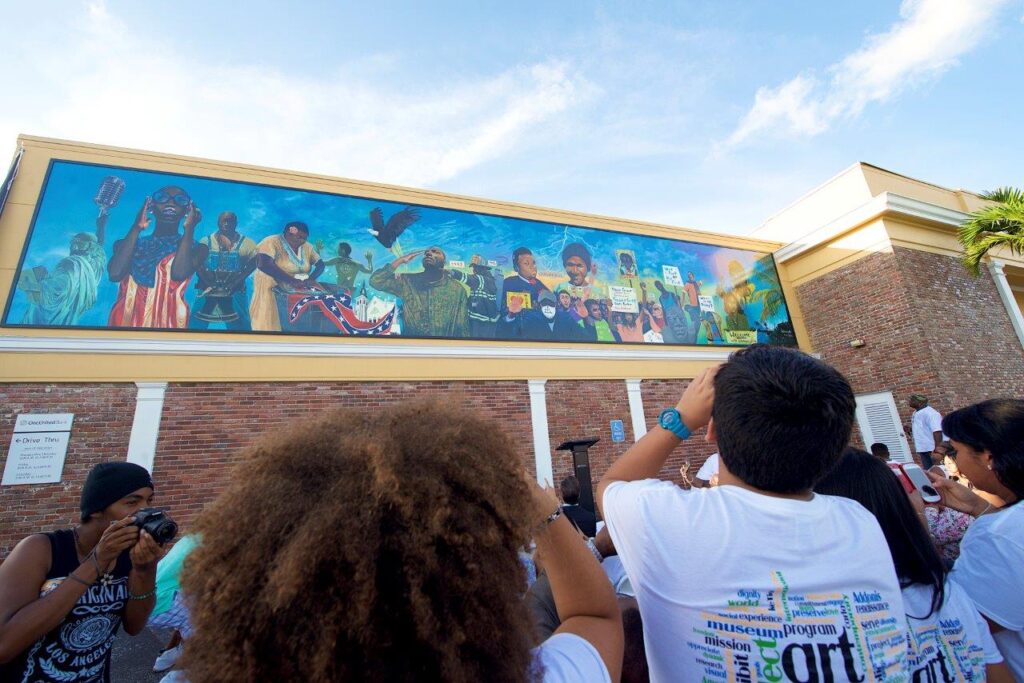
x: 109, y: 193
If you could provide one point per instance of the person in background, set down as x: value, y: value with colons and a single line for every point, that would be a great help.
x: 707, y: 475
x: 988, y: 438
x: 947, y: 639
x: 64, y: 594
x: 880, y: 451
x: 715, y: 570
x: 581, y: 518
x: 926, y: 428
x: 946, y: 525
x: 170, y: 610
x: 595, y: 327
x: 482, y: 307
x: 391, y: 555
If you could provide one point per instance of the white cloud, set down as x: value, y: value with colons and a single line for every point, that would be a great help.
x: 110, y: 83
x: 929, y: 38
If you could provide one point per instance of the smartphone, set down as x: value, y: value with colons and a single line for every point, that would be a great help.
x: 908, y: 487
x: 921, y: 482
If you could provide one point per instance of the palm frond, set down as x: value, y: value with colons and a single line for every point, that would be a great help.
x: 1005, y: 194
x: 999, y: 224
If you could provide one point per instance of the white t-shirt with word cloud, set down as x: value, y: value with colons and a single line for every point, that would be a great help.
x: 735, y: 585
x: 990, y: 569
x: 953, y: 644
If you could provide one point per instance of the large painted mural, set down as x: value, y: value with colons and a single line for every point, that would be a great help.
x: 117, y: 248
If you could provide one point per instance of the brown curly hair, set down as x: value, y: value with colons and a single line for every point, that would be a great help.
x: 366, y: 546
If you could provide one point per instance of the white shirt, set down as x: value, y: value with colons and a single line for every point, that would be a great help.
x: 568, y: 658
x: 923, y: 425
x: 709, y: 468
x: 991, y: 571
x: 735, y: 585
x: 953, y: 644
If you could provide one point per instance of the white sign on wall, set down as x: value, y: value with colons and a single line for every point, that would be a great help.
x: 38, y: 448
x: 706, y: 303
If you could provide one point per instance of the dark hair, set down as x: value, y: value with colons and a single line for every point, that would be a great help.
x: 303, y: 228
x: 389, y: 554
x: 782, y: 418
x: 577, y: 249
x: 996, y: 426
x: 570, y: 490
x: 879, y: 449
x: 864, y: 478
x: 346, y: 247
x: 521, y: 251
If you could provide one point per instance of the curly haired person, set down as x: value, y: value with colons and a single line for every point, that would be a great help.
x: 382, y: 546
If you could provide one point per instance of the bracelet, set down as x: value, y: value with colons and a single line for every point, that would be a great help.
x: 143, y: 596
x: 987, y: 508
x: 550, y: 518
x: 96, y: 563
x: 80, y: 580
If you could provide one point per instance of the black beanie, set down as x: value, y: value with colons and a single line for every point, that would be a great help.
x: 109, y: 482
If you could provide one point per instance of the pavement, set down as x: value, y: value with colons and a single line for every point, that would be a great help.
x: 132, y: 656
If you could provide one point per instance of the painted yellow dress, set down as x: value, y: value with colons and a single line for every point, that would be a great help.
x: 263, y: 308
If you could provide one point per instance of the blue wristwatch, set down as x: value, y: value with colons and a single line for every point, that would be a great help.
x: 671, y: 420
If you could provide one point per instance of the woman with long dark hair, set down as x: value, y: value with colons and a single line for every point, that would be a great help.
x: 947, y: 638
x: 988, y: 438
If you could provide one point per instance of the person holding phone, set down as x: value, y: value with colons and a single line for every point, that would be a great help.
x: 64, y: 594
x: 947, y: 638
x: 988, y: 439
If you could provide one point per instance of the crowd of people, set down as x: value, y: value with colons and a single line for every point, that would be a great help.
x: 410, y: 545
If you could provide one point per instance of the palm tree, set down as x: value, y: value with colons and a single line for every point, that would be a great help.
x: 998, y: 224
x: 769, y: 294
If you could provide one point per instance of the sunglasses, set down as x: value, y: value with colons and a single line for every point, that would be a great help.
x: 162, y: 197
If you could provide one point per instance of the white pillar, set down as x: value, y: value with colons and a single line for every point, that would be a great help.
x: 996, y: 267
x: 636, y: 408
x: 541, y: 438
x: 149, y: 405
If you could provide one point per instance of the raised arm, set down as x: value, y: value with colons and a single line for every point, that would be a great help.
x: 648, y: 455
x: 182, y: 267
x: 121, y: 262
x: 583, y: 595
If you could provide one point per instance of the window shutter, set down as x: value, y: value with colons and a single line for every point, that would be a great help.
x: 879, y: 421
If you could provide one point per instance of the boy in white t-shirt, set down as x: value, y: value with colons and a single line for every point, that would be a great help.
x: 758, y: 579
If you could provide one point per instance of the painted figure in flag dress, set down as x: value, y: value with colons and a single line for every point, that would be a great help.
x: 286, y: 260
x: 154, y: 270
x: 433, y: 304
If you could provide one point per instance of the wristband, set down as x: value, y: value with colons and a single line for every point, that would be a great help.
x: 141, y: 596
x: 80, y: 580
x: 550, y: 518
x: 671, y: 420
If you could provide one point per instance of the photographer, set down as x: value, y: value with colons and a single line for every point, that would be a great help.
x: 63, y: 594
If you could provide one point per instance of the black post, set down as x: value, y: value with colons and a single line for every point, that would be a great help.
x: 581, y: 466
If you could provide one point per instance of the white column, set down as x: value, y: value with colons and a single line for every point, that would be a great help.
x: 636, y: 408
x: 541, y: 438
x: 149, y: 405
x: 996, y: 267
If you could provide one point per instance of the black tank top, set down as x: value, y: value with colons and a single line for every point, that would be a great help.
x: 78, y: 650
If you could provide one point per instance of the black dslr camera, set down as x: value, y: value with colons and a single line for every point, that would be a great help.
x: 156, y: 523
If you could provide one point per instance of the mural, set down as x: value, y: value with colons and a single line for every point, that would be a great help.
x: 122, y: 248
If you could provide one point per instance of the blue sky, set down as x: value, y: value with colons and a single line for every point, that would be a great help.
x: 710, y: 115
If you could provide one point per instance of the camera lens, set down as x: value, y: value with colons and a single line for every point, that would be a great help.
x: 165, y: 531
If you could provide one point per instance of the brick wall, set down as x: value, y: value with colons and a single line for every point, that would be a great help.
x: 103, y: 423
x: 927, y: 326
x: 202, y: 431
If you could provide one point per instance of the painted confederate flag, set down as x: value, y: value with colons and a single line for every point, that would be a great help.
x: 338, y: 310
